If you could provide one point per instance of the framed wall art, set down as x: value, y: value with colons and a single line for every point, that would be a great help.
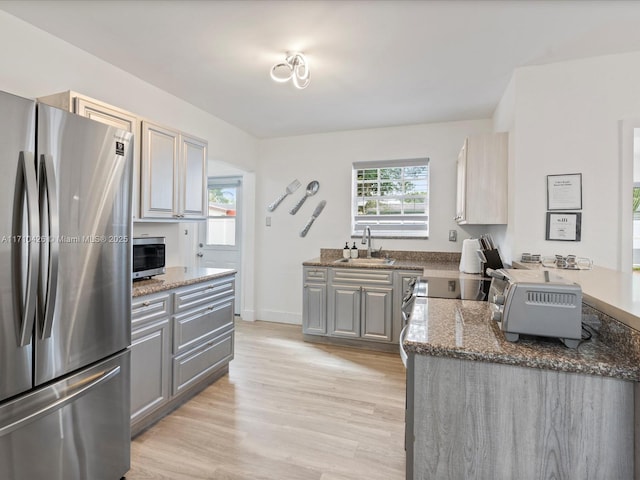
x: 564, y: 192
x: 564, y: 226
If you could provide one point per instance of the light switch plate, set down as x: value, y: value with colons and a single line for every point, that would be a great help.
x: 268, y: 222
x: 453, y: 235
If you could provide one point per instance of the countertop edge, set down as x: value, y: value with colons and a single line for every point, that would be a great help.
x: 191, y: 277
x: 524, y: 361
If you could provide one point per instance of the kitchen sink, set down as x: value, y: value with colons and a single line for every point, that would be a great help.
x: 366, y: 261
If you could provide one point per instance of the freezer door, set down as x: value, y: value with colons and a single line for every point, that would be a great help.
x: 84, y: 300
x: 18, y: 258
x: 74, y: 429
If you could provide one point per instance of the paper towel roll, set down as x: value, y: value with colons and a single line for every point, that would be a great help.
x: 469, y: 260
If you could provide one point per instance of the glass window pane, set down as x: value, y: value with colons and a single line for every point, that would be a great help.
x: 367, y: 189
x: 415, y: 173
x: 414, y: 206
x: 416, y: 187
x: 391, y: 173
x: 221, y: 231
x: 221, y: 221
x: 393, y: 200
x: 390, y: 207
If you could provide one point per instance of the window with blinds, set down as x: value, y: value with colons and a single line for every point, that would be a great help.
x: 392, y: 198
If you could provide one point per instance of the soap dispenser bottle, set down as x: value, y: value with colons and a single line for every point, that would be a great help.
x: 354, y: 251
x: 346, y: 252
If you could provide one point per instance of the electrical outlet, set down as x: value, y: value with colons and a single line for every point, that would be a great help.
x: 268, y: 222
x: 453, y: 235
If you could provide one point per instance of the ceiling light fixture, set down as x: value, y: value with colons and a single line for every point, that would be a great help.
x: 295, y: 68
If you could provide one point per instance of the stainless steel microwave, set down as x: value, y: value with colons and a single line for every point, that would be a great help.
x: 148, y: 257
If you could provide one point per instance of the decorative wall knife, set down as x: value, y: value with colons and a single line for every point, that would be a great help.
x: 316, y: 214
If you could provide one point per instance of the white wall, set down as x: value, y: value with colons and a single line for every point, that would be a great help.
x: 35, y: 63
x: 327, y: 158
x: 568, y: 117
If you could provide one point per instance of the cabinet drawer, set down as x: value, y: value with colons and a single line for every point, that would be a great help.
x: 359, y: 276
x: 150, y: 307
x: 189, y: 368
x: 202, y: 293
x: 313, y: 274
x: 197, y: 326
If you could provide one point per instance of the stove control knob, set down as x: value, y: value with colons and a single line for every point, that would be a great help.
x: 498, y: 299
x: 496, y: 316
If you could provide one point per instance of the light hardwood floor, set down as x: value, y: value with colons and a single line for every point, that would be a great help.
x: 288, y: 410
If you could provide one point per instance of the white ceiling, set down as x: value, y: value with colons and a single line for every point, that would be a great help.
x: 373, y: 63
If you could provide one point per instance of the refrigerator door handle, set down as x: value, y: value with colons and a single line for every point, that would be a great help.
x: 53, y: 399
x: 50, y: 226
x: 26, y: 280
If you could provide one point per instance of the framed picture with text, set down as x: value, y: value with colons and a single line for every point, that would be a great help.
x: 564, y: 192
x: 564, y: 226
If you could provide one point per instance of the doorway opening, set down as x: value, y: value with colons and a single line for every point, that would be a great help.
x: 220, y: 237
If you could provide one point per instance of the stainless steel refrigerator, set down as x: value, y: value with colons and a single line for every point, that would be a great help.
x: 65, y: 294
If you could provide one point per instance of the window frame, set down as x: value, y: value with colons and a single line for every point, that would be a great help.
x: 404, y: 221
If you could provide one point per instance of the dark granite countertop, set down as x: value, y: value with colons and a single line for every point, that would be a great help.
x: 403, y: 260
x: 462, y: 329
x: 177, y: 277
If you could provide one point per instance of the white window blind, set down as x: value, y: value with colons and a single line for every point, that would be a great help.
x: 391, y: 198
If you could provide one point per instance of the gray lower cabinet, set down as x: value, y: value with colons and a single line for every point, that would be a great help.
x: 182, y: 340
x: 314, y: 301
x: 359, y: 304
x: 344, y: 310
x: 150, y: 354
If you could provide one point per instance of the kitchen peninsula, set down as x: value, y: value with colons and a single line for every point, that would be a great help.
x: 481, y: 407
x: 182, y: 338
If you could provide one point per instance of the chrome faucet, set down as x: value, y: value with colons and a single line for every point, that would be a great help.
x: 366, y: 238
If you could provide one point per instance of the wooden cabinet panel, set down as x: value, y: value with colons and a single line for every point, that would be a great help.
x: 149, y: 308
x: 181, y: 340
x: 150, y: 368
x: 377, y: 313
x: 193, y: 178
x: 160, y: 149
x: 481, y: 195
x: 344, y: 310
x: 474, y: 419
x: 174, y: 174
x: 314, y: 309
x: 198, y: 326
x: 195, y: 364
x: 193, y: 296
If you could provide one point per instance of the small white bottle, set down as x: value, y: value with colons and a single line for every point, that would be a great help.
x: 354, y: 251
x: 346, y: 251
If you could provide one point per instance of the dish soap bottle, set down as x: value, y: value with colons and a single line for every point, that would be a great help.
x: 354, y: 251
x: 346, y: 252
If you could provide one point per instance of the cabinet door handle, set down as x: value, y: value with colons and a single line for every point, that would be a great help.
x: 145, y: 304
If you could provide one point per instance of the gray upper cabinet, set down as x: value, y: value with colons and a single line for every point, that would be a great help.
x: 193, y: 188
x: 160, y: 149
x: 109, y: 115
x: 481, y: 195
x: 170, y: 167
x: 174, y: 172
